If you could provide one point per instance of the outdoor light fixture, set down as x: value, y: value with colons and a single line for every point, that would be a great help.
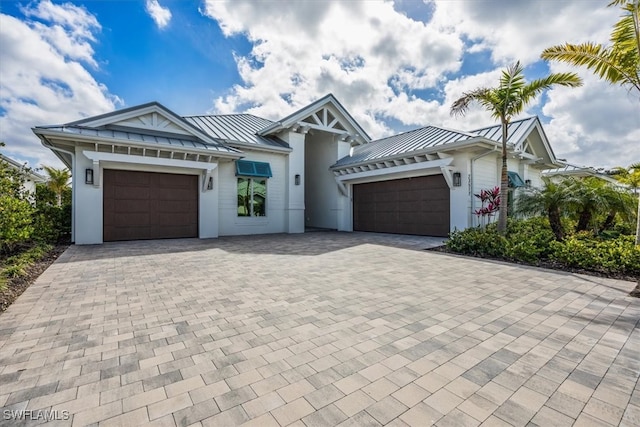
x: 88, y: 176
x: 297, y: 179
x: 527, y: 183
x: 457, y: 179
x: 210, y: 183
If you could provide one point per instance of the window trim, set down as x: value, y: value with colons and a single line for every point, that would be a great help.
x: 251, y: 180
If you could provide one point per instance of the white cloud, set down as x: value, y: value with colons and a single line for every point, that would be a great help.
x: 521, y: 29
x: 365, y: 53
x: 381, y: 62
x: 161, y: 15
x: 44, y: 76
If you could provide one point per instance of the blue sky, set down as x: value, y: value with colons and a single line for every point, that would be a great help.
x: 393, y: 65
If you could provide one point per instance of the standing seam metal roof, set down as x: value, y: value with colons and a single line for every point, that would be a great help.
x: 140, y: 137
x: 404, y: 143
x: 515, y: 130
x: 240, y: 128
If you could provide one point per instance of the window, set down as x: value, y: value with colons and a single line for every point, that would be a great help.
x: 514, y: 180
x: 252, y: 196
x: 252, y: 187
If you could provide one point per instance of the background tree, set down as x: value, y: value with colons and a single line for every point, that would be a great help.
x: 504, y: 102
x: 629, y: 176
x: 58, y: 181
x: 617, y: 63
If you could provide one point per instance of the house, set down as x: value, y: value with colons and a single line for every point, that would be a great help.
x: 146, y: 173
x: 31, y: 177
x: 570, y: 170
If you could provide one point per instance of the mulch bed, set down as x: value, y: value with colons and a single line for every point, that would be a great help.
x: 549, y: 264
x: 17, y: 285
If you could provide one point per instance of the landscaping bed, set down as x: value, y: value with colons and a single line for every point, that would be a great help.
x: 531, y: 242
x: 17, y: 273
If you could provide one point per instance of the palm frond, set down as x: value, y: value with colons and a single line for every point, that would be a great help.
x: 602, y: 61
x: 462, y: 104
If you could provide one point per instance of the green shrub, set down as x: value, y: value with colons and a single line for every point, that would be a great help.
x: 531, y: 241
x: 483, y: 242
x: 15, y: 222
x: 619, y: 255
x: 528, y: 240
x: 17, y: 265
x: 15, y: 270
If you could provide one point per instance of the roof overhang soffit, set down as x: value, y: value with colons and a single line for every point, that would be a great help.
x: 98, y: 158
x: 434, y: 153
x: 443, y: 165
x: 65, y: 140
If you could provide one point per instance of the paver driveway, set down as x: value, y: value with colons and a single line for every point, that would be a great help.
x: 312, y: 330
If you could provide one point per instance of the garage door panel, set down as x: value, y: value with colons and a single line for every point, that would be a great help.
x: 147, y: 205
x: 407, y: 206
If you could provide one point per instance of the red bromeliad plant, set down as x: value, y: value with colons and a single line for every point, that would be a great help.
x: 490, y: 200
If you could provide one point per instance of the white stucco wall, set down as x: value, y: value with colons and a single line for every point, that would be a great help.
x: 460, y: 203
x: 230, y: 223
x: 321, y: 192
x: 88, y: 210
x: 294, y: 199
x: 535, y: 175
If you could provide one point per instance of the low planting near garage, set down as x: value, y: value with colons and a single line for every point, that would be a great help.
x: 586, y: 227
x: 531, y: 241
x: 34, y: 230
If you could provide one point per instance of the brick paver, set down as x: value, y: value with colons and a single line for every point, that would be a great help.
x: 317, y: 329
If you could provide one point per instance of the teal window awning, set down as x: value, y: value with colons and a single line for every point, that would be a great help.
x: 514, y: 180
x: 248, y: 168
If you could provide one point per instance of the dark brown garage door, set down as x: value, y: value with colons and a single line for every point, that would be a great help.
x: 404, y: 206
x: 146, y: 205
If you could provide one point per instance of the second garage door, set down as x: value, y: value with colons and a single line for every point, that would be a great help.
x: 404, y: 206
x: 146, y: 205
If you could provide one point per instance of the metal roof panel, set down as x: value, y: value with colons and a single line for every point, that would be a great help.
x: 242, y: 128
x: 404, y: 143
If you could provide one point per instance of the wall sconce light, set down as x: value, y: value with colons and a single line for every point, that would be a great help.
x: 457, y: 179
x: 88, y: 176
x: 297, y: 179
x: 527, y: 183
x: 210, y: 183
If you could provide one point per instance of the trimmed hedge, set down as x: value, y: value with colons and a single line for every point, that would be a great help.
x: 531, y: 241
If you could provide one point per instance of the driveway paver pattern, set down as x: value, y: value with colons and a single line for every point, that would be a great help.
x: 320, y: 329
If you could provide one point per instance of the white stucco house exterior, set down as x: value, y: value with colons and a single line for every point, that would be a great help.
x: 31, y: 177
x: 145, y: 172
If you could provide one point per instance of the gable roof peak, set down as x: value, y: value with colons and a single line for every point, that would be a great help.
x: 302, y: 113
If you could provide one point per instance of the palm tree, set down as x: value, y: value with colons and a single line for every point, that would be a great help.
x: 618, y: 63
x: 58, y: 181
x: 504, y: 102
x: 549, y: 200
x: 593, y: 198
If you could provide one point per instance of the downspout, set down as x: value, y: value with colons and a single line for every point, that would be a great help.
x: 473, y: 199
x: 73, y: 186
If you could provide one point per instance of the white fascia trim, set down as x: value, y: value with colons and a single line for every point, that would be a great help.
x: 432, y: 164
x: 98, y: 157
x: 156, y: 161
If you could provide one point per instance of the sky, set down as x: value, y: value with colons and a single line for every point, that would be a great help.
x: 394, y: 65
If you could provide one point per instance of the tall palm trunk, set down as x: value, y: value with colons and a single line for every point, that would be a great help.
x: 504, y: 182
